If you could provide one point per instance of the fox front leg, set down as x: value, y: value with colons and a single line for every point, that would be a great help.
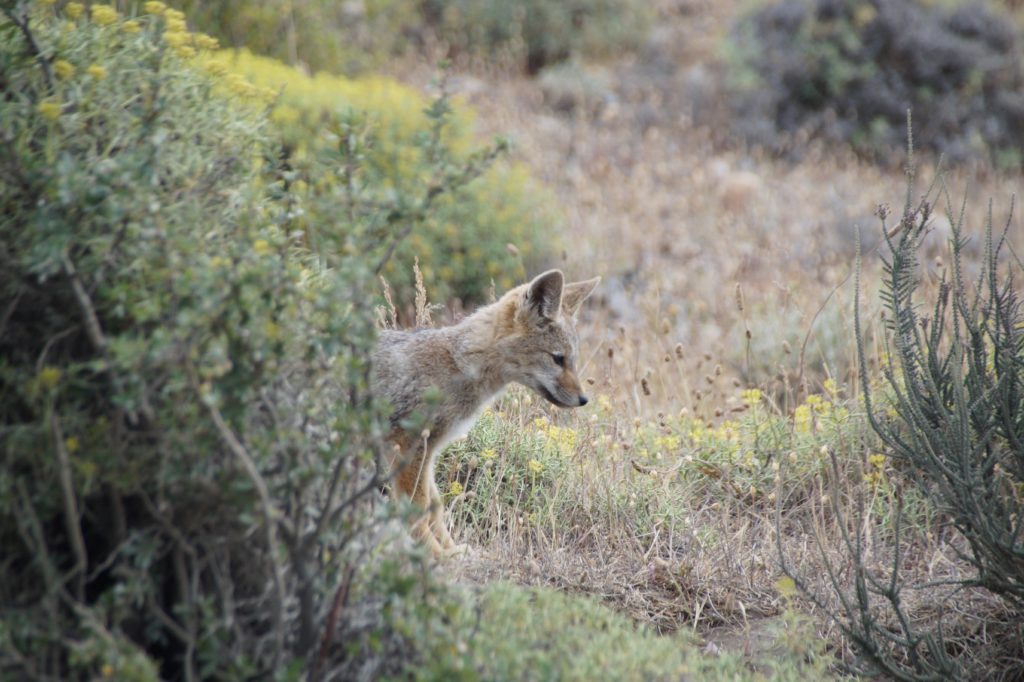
x: 411, y: 482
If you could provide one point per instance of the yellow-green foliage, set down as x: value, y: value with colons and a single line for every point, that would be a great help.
x: 507, y: 632
x: 531, y: 469
x: 172, y: 353
x: 462, y: 245
x: 346, y: 37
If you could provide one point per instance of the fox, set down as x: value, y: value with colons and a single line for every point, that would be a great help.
x: 449, y: 375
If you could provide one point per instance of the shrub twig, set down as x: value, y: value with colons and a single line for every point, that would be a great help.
x: 71, y: 512
x: 33, y: 47
x: 270, y: 514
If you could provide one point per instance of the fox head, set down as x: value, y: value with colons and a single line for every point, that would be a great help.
x: 543, y: 352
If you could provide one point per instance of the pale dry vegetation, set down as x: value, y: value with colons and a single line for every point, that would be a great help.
x: 724, y: 269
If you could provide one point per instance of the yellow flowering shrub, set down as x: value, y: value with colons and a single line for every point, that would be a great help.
x: 755, y: 449
x: 168, y: 336
x: 104, y: 15
x: 462, y: 245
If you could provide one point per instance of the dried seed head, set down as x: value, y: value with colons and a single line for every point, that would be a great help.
x: 666, y: 326
x: 718, y: 412
x: 739, y: 297
x: 679, y: 351
x: 785, y: 348
x: 718, y: 370
x: 707, y: 357
x: 611, y: 352
x: 513, y: 251
x: 645, y: 385
x: 668, y: 358
x: 708, y: 378
x: 736, y: 383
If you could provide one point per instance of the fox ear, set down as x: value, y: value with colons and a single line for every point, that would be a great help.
x: 577, y: 292
x: 544, y: 294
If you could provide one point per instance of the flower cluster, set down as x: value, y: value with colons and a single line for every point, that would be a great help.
x: 876, y: 469
x: 561, y: 439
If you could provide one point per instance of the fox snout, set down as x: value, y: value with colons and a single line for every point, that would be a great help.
x: 567, y: 393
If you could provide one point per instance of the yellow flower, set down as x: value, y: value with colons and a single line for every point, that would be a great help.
x: 64, y: 69
x: 751, y: 396
x: 175, y: 38
x: 668, y: 444
x: 71, y: 443
x: 49, y: 376
x: 205, y: 42
x: 240, y: 86
x: 96, y: 71
x: 535, y: 466
x: 215, y: 67
x: 175, y: 25
x: 154, y: 7
x: 814, y: 400
x: 455, y: 489
x: 877, y: 461
x: 107, y: 670
x: 802, y: 419
x: 273, y: 330
x: 261, y: 246
x: 104, y: 15
x: 131, y: 26
x: 74, y: 9
x: 174, y: 15
x: 488, y: 453
x: 185, y: 51
x: 785, y: 586
x: 830, y: 387
x: 49, y: 110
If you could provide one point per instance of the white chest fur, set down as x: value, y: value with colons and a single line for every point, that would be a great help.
x: 461, y: 427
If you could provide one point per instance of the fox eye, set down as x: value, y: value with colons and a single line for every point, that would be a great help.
x: 559, y: 359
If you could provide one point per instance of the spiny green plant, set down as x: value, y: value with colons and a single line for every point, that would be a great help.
x: 949, y: 416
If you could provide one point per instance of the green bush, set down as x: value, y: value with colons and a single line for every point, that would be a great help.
x: 190, y: 455
x: 949, y: 413
x: 505, y: 632
x: 462, y: 242
x: 541, y: 32
x: 847, y: 70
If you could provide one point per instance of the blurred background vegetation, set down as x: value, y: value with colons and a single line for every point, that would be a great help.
x: 203, y: 204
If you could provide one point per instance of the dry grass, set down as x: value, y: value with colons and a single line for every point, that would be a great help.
x: 723, y: 269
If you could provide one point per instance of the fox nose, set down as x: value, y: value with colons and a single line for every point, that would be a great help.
x: 583, y: 400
